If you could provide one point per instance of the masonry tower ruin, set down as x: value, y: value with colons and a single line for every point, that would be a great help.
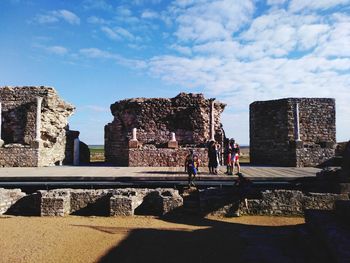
x: 292, y: 132
x: 159, y: 131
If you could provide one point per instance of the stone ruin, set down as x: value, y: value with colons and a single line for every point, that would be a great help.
x: 159, y: 131
x: 112, y: 202
x: 292, y: 132
x: 34, y: 125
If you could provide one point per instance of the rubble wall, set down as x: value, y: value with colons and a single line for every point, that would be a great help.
x: 187, y: 115
x: 17, y: 155
x: 164, y: 157
x: 223, y: 202
x: 160, y: 201
x: 19, y: 107
x: 114, y: 202
x: 273, y: 132
x: 9, y: 197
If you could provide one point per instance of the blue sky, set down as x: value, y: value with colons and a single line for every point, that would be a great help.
x: 97, y: 52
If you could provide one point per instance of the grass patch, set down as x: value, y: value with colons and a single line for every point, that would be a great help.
x: 97, y: 153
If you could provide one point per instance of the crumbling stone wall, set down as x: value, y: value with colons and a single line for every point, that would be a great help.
x: 114, y: 202
x: 223, y: 202
x: 273, y: 131
x: 164, y: 157
x: 187, y: 115
x: 8, y: 197
x: 18, y: 155
x: 19, y: 113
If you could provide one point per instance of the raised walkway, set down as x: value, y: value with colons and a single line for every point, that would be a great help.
x: 149, y: 172
x: 61, y: 176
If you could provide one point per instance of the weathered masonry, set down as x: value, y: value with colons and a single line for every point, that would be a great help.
x: 159, y: 131
x: 33, y: 126
x: 292, y: 132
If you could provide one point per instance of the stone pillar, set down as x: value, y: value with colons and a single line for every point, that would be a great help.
x: 134, y: 134
x: 1, y: 141
x: 39, y: 101
x: 76, y: 152
x: 212, y: 120
x: 133, y: 143
x: 173, y: 143
x: 297, y: 123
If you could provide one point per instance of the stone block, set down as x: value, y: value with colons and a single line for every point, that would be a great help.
x: 322, y: 201
x: 121, y: 205
x: 55, y: 202
x: 55, y: 206
x: 133, y: 144
x: 9, y: 197
x: 169, y: 200
x: 173, y: 144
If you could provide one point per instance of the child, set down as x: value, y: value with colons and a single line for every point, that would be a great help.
x: 191, y: 167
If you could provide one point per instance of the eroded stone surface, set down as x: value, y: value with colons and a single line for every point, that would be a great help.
x: 8, y: 197
x: 19, y: 113
x: 272, y: 202
x: 114, y: 202
x: 273, y: 139
x: 188, y: 115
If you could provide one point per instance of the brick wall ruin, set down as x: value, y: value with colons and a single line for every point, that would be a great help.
x: 23, y: 109
x: 161, y: 201
x: 193, y: 119
x: 292, y: 132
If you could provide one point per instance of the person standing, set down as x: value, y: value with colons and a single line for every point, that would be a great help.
x: 191, y: 168
x: 213, y: 157
x: 228, y: 153
x: 235, y: 157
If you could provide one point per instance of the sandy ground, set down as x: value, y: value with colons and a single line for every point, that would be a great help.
x: 150, y: 239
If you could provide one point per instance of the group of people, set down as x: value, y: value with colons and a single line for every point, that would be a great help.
x: 231, y: 153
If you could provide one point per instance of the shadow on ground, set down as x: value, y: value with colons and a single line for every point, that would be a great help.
x: 217, y: 241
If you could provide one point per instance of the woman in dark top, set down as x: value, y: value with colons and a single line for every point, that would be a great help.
x: 213, y: 158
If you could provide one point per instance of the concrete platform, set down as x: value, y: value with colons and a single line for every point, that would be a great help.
x: 107, y: 177
x: 160, y: 173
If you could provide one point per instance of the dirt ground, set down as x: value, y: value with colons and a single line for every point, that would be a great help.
x: 151, y: 239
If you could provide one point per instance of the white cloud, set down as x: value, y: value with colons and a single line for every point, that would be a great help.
x: 182, y: 49
x: 337, y: 44
x: 97, y: 4
x: 276, y: 2
x: 96, y: 53
x: 301, y: 5
x: 310, y: 35
x: 118, y: 33
x: 123, y: 11
x: 58, y: 50
x: 45, y: 19
x: 68, y: 16
x: 97, y: 20
x: 148, y: 14
x: 142, y: 2
x: 211, y: 20
x: 56, y: 16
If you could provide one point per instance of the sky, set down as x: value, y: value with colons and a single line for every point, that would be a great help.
x: 96, y: 52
